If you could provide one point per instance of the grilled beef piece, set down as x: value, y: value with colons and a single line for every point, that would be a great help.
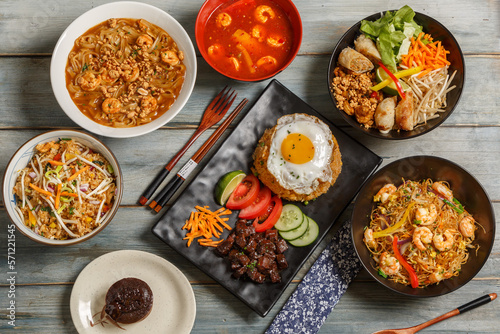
x: 282, y: 264
x: 239, y: 272
x: 255, y: 275
x: 254, y: 255
x: 266, y: 247
x: 251, y: 245
x: 242, y: 228
x: 241, y: 241
x: 264, y: 263
x: 272, y: 235
x: 224, y: 247
x: 243, y: 259
x: 281, y: 246
x: 274, y: 275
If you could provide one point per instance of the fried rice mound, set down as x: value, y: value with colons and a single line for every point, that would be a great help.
x: 260, y: 156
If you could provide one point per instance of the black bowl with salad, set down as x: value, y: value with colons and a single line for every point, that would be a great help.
x: 396, y: 75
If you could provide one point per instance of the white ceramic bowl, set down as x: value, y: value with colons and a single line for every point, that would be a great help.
x: 21, y: 159
x: 125, y: 9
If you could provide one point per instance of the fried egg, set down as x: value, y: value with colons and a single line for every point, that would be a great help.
x: 300, y: 153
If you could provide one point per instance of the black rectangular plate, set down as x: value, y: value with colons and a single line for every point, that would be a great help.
x: 236, y: 153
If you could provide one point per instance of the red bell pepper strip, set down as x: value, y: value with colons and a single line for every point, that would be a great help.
x: 406, y: 265
x: 396, y: 80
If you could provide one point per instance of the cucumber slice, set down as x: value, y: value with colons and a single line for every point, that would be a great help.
x: 290, y: 219
x: 309, y: 237
x: 298, y: 232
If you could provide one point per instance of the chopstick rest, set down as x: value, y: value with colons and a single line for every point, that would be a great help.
x: 310, y: 304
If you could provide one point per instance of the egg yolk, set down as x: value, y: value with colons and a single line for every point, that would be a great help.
x: 297, y: 148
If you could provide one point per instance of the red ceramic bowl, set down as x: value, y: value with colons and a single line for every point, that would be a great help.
x: 210, y: 6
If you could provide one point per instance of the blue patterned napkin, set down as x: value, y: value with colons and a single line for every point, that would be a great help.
x: 308, y: 307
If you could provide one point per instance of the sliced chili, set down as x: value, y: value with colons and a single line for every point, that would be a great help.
x: 406, y: 265
x: 396, y: 80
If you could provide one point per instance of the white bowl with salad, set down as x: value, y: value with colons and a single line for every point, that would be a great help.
x: 397, y: 74
x: 62, y: 187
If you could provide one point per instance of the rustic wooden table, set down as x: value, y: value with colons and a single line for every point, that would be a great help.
x: 45, y: 275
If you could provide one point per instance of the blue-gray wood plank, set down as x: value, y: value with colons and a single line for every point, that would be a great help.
x: 470, y: 137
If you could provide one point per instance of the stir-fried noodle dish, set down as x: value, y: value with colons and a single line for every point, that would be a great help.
x: 66, y: 191
x: 125, y: 72
x: 419, y: 234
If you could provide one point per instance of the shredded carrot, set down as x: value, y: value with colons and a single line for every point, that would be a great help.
x: 65, y: 193
x: 205, y: 224
x: 58, y: 196
x: 72, y: 177
x: 56, y: 163
x: 40, y: 190
x: 428, y: 56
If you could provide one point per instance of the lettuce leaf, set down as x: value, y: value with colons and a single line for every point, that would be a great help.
x: 392, y: 34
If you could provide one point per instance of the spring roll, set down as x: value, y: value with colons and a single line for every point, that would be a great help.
x: 404, y: 113
x: 354, y: 61
x: 384, y: 114
x: 367, y: 47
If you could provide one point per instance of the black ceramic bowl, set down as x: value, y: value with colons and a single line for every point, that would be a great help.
x: 465, y: 188
x: 456, y: 58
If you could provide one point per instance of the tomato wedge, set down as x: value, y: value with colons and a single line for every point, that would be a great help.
x: 270, y: 217
x: 259, y: 206
x: 245, y: 193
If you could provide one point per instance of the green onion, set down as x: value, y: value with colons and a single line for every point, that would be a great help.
x: 61, y: 208
x: 381, y: 273
x: 460, y: 206
x: 100, y: 163
x: 66, y: 139
x: 453, y: 206
x: 110, y: 169
x: 85, y: 67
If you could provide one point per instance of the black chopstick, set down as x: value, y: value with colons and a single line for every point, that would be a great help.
x: 173, y: 185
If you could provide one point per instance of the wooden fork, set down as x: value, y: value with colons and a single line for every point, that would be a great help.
x: 213, y: 114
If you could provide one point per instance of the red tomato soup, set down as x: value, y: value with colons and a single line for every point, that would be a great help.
x: 248, y: 39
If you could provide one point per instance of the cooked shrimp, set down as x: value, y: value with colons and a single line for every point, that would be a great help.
x: 142, y: 25
x: 148, y: 104
x: 235, y: 63
x: 45, y: 147
x: 261, y: 10
x: 466, y: 226
x: 369, y: 239
x: 389, y: 264
x: 110, y: 77
x: 144, y: 41
x: 426, y: 216
x: 384, y: 193
x: 438, y: 276
x: 223, y: 20
x: 422, y: 235
x: 266, y: 62
x: 275, y: 41
x: 169, y: 57
x: 215, y: 50
x: 258, y: 32
x: 89, y: 81
x: 443, y: 190
x: 111, y: 105
x: 444, y: 241
x: 130, y: 75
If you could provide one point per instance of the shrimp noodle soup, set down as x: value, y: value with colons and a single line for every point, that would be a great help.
x: 66, y: 191
x: 419, y: 233
x: 248, y: 39
x: 124, y: 72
